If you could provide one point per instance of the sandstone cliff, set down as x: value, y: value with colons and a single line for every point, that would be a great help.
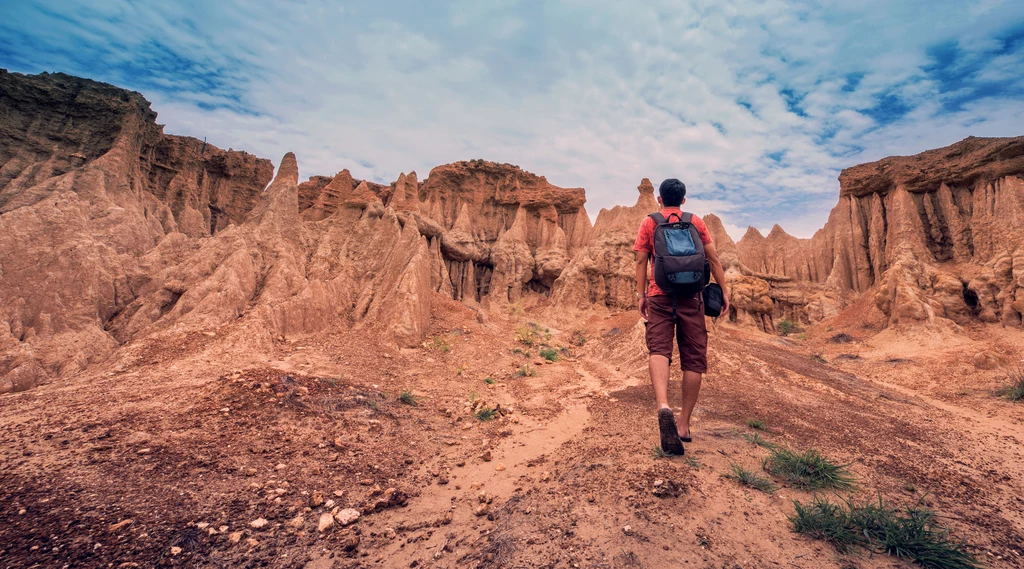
x: 936, y: 238
x: 604, y: 271
x: 111, y: 231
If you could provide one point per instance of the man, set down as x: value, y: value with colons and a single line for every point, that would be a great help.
x: 679, y: 315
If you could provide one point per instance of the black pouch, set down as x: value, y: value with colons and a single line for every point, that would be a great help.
x: 714, y: 299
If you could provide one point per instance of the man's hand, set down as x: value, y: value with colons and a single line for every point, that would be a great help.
x: 643, y: 306
x: 725, y: 301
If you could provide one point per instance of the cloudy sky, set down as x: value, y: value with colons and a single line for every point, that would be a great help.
x: 755, y: 104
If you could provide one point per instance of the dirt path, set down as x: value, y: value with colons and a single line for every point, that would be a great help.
x: 183, y: 449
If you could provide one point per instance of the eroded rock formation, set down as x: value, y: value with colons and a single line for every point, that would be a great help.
x: 936, y: 238
x: 604, y: 272
x: 112, y: 231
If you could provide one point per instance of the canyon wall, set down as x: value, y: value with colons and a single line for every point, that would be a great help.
x: 935, y: 238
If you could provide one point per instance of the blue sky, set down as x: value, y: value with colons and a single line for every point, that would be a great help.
x: 756, y: 105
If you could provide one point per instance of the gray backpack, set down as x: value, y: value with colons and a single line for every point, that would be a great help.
x: 680, y: 268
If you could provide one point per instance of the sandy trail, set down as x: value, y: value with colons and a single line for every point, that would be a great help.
x: 209, y: 440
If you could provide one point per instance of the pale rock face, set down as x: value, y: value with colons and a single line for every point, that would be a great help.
x: 604, y: 271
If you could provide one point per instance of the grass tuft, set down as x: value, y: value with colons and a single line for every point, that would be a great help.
x: 489, y: 380
x: 486, y: 414
x: 751, y: 479
x: 549, y: 354
x: 408, y: 398
x: 809, y: 470
x: 526, y: 370
x: 911, y: 532
x: 756, y: 424
x: 1014, y: 390
x: 658, y: 452
x: 438, y: 344
x: 787, y: 327
x: 578, y: 339
x: 760, y: 441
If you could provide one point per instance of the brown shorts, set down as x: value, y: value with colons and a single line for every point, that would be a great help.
x: 687, y: 325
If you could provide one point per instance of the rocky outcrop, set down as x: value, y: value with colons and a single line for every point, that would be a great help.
x: 604, y: 272
x: 936, y: 238
x: 88, y: 185
x: 111, y: 231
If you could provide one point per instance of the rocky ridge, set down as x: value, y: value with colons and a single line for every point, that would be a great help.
x: 935, y: 238
x: 112, y: 231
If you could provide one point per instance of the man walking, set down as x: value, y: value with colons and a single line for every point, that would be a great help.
x: 671, y: 302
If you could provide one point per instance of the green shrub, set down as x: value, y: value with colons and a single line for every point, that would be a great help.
x: 408, y: 398
x: 438, y: 344
x: 1014, y: 390
x: 549, y: 354
x: 526, y: 370
x: 756, y: 423
x: 526, y: 335
x: 489, y: 380
x: 787, y: 327
x: 808, y: 469
x: 486, y: 414
x: 578, y: 338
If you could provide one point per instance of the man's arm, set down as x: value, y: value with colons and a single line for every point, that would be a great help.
x: 717, y: 270
x: 641, y: 281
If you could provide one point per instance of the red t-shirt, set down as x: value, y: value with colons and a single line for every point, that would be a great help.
x: 645, y: 241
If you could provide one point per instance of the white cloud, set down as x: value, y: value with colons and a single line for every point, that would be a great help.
x: 755, y: 105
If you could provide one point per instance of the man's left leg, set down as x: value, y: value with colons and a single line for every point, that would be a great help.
x: 691, y: 390
x: 692, y: 337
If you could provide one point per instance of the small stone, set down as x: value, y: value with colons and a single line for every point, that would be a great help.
x: 250, y: 471
x: 281, y: 466
x: 175, y: 550
x: 628, y: 530
x: 486, y: 456
x: 222, y: 529
x: 347, y: 516
x: 22, y: 511
x: 144, y: 450
x: 235, y: 537
x: 350, y: 542
x: 390, y: 533
x: 296, y: 522
x: 202, y: 525
x: 339, y: 493
x: 447, y: 519
x: 252, y: 542
x: 326, y: 522
x: 119, y: 525
x: 258, y: 523
x: 499, y: 467
x: 590, y: 498
x: 482, y: 510
x: 658, y: 483
x: 329, y: 504
x: 442, y: 480
x: 316, y: 499
x: 545, y: 476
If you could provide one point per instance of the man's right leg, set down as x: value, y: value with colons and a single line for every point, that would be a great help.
x: 659, y: 336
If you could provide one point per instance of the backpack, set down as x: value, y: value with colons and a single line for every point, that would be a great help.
x: 680, y: 267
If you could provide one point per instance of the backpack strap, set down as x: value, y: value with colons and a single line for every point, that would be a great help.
x: 688, y: 216
x: 658, y: 218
